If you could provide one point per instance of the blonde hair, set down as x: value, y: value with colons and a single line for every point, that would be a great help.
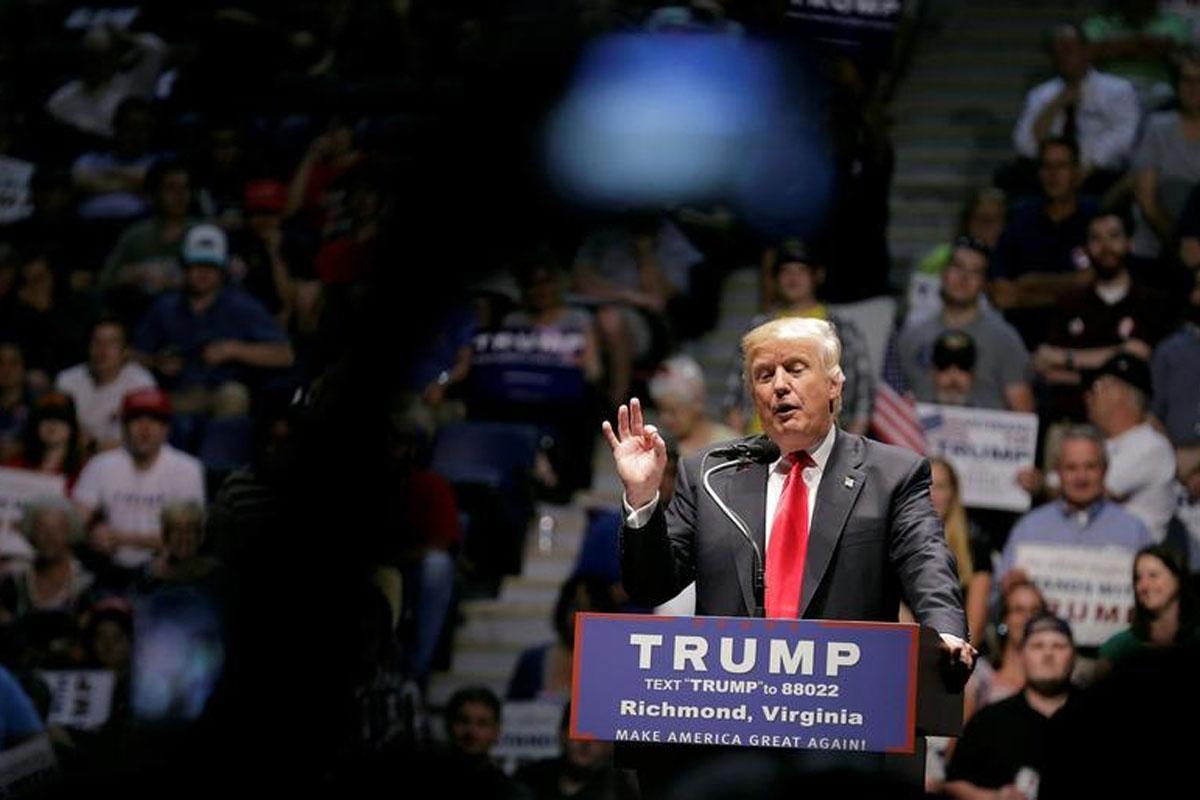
x: 958, y: 535
x: 807, y: 329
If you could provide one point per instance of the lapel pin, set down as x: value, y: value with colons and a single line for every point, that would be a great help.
x: 848, y: 482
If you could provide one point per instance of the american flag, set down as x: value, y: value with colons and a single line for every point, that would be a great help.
x: 894, y: 418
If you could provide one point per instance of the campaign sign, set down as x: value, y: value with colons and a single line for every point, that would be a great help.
x: 796, y: 684
x: 986, y: 448
x: 1089, y: 587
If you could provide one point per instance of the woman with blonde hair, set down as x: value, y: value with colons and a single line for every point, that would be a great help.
x: 968, y: 544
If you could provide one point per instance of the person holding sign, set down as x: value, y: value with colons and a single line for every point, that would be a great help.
x: 1081, y: 533
x: 845, y: 524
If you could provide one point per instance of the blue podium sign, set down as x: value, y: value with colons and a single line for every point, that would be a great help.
x: 809, y: 684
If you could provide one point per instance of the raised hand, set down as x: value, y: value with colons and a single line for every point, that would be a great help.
x: 639, y: 452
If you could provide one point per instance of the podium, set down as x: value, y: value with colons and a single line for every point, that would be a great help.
x: 826, y: 693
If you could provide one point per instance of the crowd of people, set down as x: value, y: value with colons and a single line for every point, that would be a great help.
x: 256, y: 265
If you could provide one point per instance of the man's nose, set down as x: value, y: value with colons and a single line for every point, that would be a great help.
x: 779, y: 381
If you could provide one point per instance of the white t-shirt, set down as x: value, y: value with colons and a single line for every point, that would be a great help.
x: 132, y: 499
x: 93, y: 111
x: 99, y: 407
x: 1141, y: 475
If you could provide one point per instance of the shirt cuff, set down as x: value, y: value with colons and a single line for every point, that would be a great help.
x: 637, y: 518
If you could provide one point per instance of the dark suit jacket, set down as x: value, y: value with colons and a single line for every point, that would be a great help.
x: 874, y: 540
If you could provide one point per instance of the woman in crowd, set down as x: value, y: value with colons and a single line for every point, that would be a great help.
x: 967, y: 542
x: 55, y: 581
x: 1165, y: 609
x: 52, y: 444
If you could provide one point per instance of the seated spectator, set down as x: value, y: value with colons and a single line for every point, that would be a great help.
x: 331, y: 154
x: 1005, y: 741
x: 145, y: 261
x: 967, y: 542
x: 19, y: 720
x: 52, y: 443
x: 100, y: 384
x: 1141, y: 463
x: 16, y: 398
x: 1081, y: 517
x: 1176, y: 403
x: 432, y: 535
x: 1135, y: 41
x: 1000, y: 370
x: 1165, y: 168
x: 121, y: 493
x: 352, y: 230
x: 544, y: 671
x: 678, y: 391
x: 796, y: 277
x: 55, y: 581
x: 1041, y: 256
x: 180, y: 560
x: 54, y: 222
x: 473, y: 728
x: 223, y: 169
x: 584, y: 769
x: 548, y: 375
x: 1165, y: 612
x: 205, y: 341
x: 117, y: 65
x: 108, y: 645
x: 112, y: 181
x: 981, y: 219
x: 43, y: 314
x: 954, y: 369
x: 1003, y: 674
x: 1097, y: 110
x: 632, y: 272
x: 1113, y: 315
x: 268, y: 259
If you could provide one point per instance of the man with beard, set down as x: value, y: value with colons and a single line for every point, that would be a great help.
x: 1005, y: 746
x: 954, y: 369
x: 1113, y: 315
x: 1001, y: 364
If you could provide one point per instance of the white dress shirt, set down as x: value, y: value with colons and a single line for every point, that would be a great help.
x: 1106, y: 119
x: 637, y: 518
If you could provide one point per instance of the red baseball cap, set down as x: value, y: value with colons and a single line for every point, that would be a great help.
x: 146, y: 402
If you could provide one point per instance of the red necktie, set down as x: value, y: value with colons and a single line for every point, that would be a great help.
x: 789, y: 543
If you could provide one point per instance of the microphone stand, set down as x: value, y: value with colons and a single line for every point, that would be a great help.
x: 759, y: 571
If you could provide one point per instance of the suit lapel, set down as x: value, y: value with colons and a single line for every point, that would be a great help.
x: 746, y: 493
x: 840, y: 485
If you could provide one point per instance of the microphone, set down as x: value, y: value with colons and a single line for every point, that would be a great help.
x: 756, y: 451
x: 760, y: 450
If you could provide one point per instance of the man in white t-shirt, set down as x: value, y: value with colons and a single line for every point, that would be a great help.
x: 121, y: 493
x: 116, y: 65
x: 99, y: 386
x: 1141, y: 462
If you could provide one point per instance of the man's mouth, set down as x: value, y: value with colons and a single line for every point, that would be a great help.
x: 785, y: 410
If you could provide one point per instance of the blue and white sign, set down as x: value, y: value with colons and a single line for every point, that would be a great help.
x: 797, y: 684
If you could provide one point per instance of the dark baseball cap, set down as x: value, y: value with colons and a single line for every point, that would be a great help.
x: 1129, y: 368
x: 954, y: 349
x: 1048, y: 622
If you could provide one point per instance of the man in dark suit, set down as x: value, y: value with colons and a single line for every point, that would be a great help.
x: 846, y: 523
